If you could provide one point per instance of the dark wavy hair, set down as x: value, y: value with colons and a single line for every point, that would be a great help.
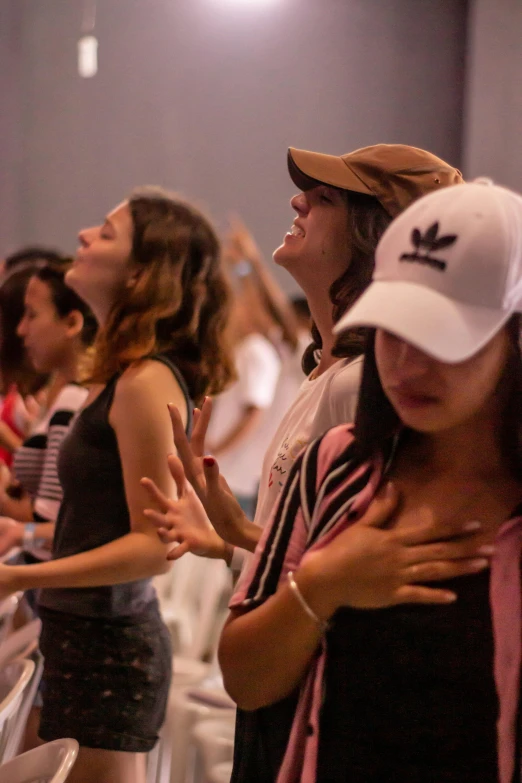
x: 30, y: 255
x: 15, y: 367
x: 65, y: 299
x: 377, y: 422
x: 180, y: 303
x: 367, y: 221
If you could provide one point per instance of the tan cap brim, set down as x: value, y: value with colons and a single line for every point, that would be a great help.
x: 308, y: 169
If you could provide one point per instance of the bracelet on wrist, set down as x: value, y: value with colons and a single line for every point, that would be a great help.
x: 28, y: 536
x: 30, y: 539
x: 322, y: 624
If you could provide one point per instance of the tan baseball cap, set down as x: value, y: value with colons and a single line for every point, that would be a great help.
x: 395, y: 174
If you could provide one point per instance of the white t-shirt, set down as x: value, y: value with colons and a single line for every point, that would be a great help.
x: 321, y: 403
x: 258, y: 367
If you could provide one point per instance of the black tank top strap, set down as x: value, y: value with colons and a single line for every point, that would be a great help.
x: 161, y: 357
x: 103, y: 402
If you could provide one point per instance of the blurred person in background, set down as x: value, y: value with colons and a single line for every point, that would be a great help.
x: 57, y: 329
x: 22, y: 388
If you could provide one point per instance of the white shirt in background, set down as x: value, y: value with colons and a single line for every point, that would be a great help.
x: 258, y: 368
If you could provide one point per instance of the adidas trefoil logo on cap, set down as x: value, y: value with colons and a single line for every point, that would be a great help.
x: 429, y: 242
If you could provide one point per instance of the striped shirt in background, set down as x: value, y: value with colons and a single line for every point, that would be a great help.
x: 34, y: 464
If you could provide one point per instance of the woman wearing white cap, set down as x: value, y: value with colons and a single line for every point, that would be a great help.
x: 331, y: 644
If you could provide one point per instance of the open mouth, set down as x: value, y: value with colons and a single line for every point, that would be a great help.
x: 296, y: 231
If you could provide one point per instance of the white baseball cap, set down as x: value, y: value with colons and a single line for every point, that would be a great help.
x: 448, y: 271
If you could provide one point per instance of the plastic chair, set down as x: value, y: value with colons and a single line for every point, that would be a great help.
x: 49, y: 763
x: 7, y: 609
x: 190, y: 596
x: 221, y: 773
x: 214, y: 740
x: 14, y: 680
x: 187, y: 672
x: 185, y: 709
x: 22, y: 643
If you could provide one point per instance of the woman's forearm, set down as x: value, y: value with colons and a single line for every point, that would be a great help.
x: 134, y: 556
x: 245, y: 536
x: 264, y: 653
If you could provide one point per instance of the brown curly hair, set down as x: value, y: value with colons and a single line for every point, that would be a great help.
x: 180, y: 303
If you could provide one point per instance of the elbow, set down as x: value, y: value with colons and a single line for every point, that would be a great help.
x: 248, y: 695
x: 247, y: 690
x: 162, y: 566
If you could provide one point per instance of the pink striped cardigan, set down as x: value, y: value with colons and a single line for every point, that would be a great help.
x: 326, y: 491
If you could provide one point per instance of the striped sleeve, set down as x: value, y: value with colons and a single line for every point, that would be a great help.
x: 325, y: 471
x: 49, y: 494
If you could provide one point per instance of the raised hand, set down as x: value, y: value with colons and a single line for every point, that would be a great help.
x: 202, y: 473
x: 369, y: 567
x: 239, y: 244
x: 183, y: 521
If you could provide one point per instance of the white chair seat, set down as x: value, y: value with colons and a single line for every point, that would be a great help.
x: 214, y: 740
x: 49, y: 763
x: 221, y: 773
x: 183, y: 712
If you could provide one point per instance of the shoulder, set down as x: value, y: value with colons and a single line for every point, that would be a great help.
x: 346, y: 375
x: 336, y: 445
x: 147, y: 382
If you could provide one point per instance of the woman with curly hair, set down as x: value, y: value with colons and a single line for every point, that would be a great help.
x: 152, y: 276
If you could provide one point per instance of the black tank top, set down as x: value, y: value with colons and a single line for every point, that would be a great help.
x: 410, y: 694
x: 94, y: 508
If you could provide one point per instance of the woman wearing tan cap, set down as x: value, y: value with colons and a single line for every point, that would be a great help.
x: 343, y: 208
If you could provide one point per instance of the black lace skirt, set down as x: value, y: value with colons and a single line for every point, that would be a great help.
x: 105, y: 681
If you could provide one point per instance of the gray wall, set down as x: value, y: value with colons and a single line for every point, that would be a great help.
x: 11, y: 128
x: 205, y: 96
x: 493, y: 118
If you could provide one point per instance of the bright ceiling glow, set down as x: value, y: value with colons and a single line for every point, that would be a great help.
x: 246, y: 3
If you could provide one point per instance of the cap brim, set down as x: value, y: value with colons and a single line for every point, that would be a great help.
x: 309, y: 169
x: 443, y: 328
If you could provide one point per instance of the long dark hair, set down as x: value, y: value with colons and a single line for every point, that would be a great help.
x: 15, y: 367
x: 367, y: 221
x: 376, y: 421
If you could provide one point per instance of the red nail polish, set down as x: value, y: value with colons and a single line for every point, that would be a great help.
x: 209, y: 461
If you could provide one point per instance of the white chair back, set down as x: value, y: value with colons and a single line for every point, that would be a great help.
x: 22, y: 643
x: 190, y: 596
x: 214, y: 740
x: 7, y: 609
x: 49, y: 763
x: 14, y: 680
